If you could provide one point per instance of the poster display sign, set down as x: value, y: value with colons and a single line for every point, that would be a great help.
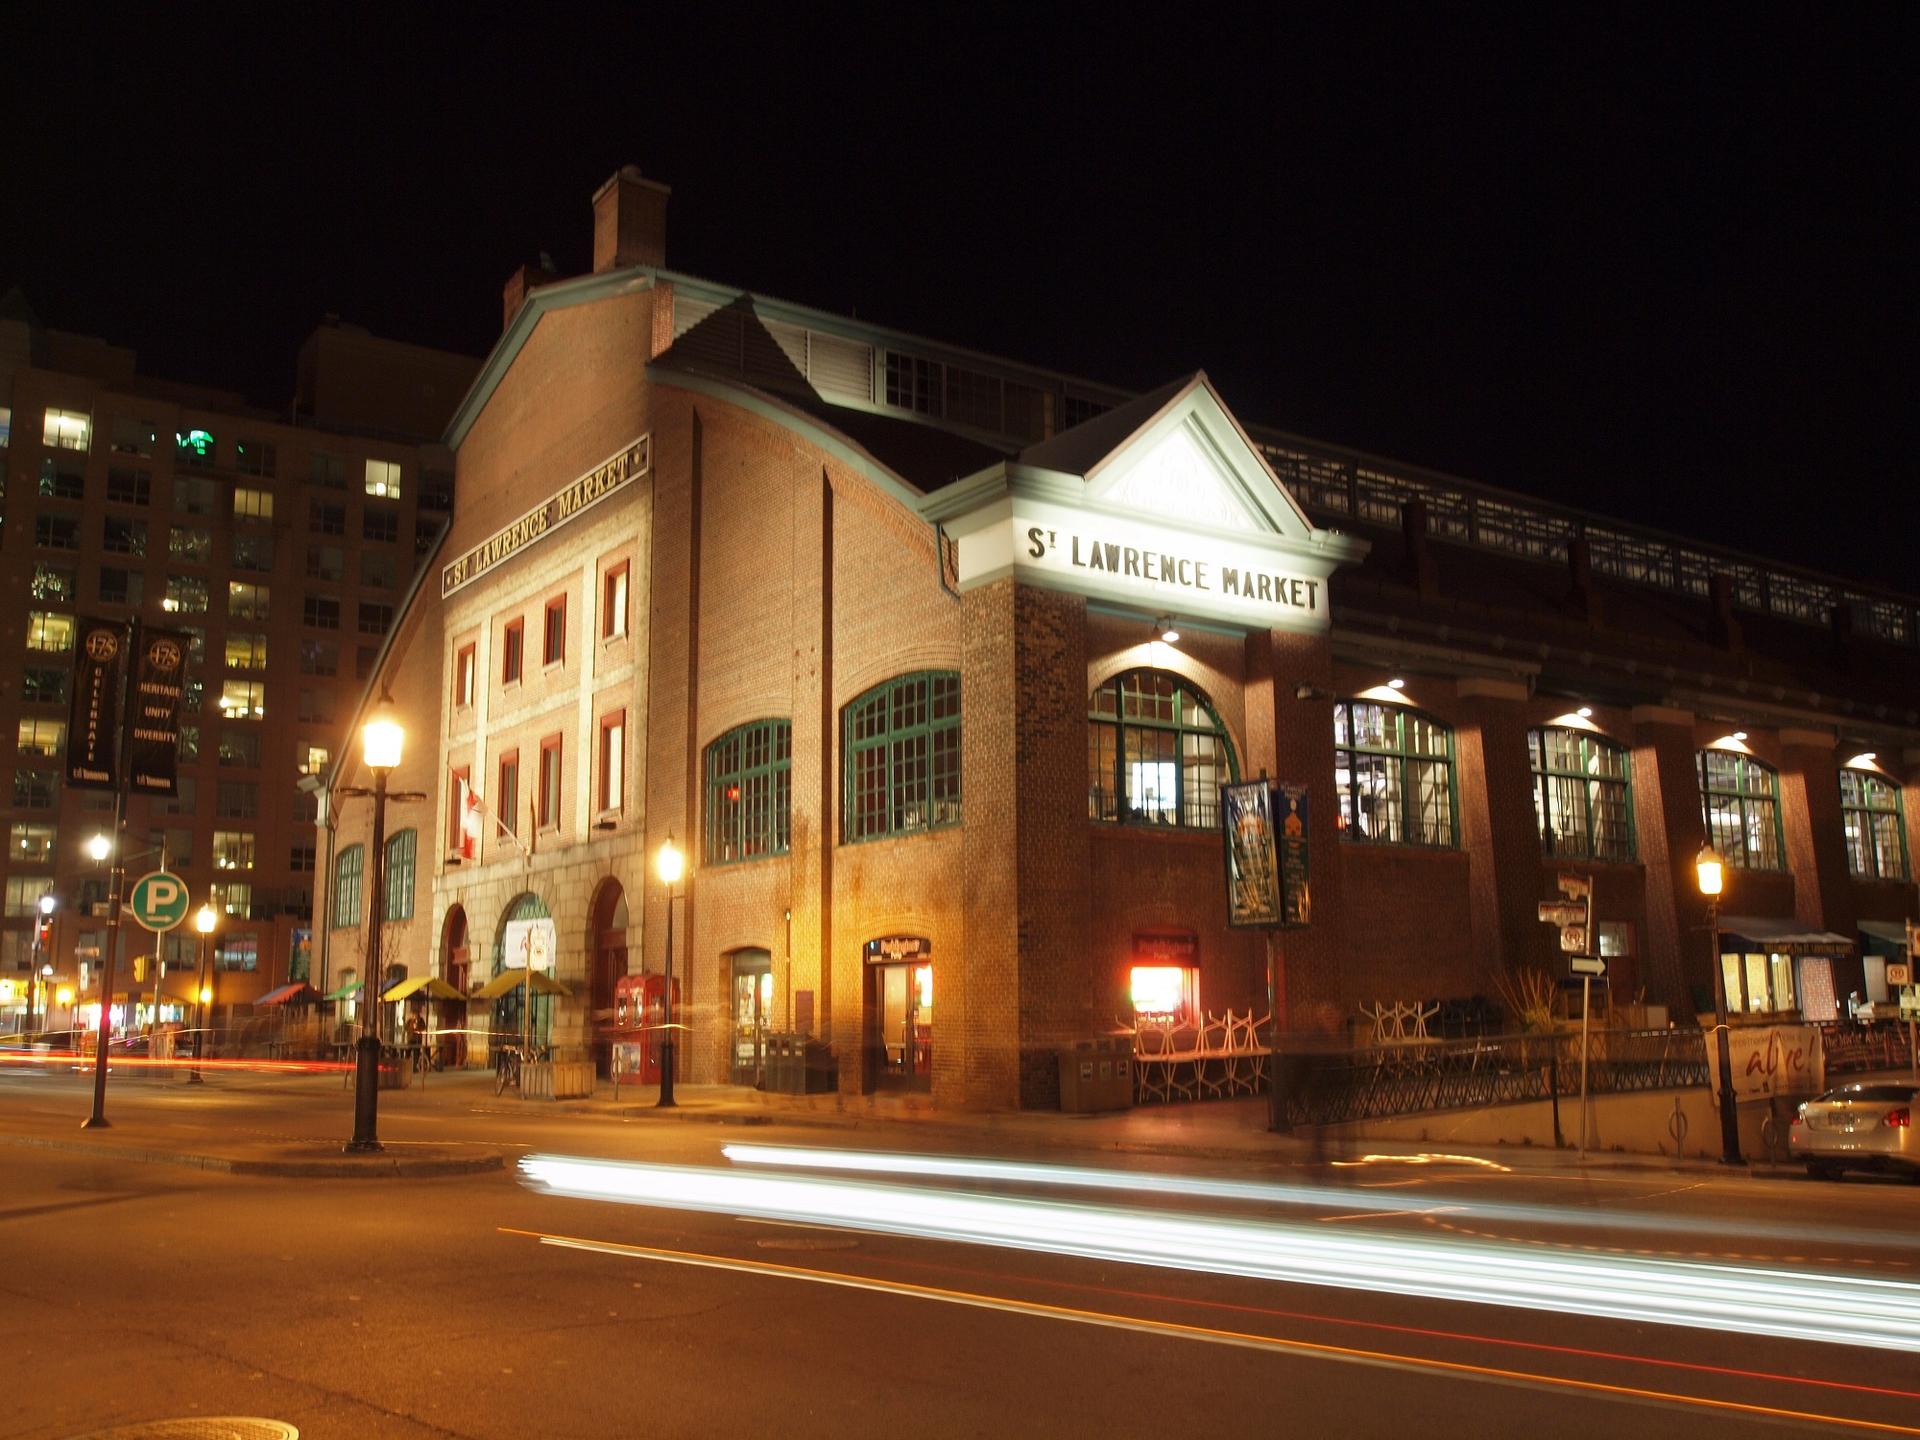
x: 1772, y: 1060
x: 1252, y: 857
x: 529, y: 942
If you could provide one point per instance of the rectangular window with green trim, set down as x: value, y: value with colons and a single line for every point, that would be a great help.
x: 749, y: 812
x: 397, y: 881
x: 901, y: 757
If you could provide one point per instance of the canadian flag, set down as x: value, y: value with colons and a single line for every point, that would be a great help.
x: 471, y: 823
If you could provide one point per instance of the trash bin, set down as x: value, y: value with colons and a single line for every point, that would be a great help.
x: 782, y: 1059
x: 1097, y: 1075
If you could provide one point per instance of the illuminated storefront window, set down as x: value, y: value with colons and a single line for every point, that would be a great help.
x: 1157, y: 753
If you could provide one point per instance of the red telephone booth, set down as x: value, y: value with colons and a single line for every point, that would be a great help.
x: 639, y: 1028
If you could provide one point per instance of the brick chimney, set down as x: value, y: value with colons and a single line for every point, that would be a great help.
x: 522, y: 283
x: 629, y: 221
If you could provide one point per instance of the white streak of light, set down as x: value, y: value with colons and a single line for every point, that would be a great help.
x: 1827, y: 1308
x: 956, y: 1167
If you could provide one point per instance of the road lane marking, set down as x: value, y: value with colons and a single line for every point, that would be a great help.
x: 1173, y: 1329
x: 1387, y: 1214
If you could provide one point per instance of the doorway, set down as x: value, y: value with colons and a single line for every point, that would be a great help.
x: 752, y: 991
x: 900, y: 1022
x: 607, y: 924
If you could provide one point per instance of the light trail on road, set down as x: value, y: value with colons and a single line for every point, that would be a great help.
x: 1244, y: 1339
x: 1016, y: 1172
x: 1812, y: 1306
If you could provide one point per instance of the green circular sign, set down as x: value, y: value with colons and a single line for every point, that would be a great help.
x: 159, y: 900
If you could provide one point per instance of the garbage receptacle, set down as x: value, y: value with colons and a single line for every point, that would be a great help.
x: 1097, y: 1075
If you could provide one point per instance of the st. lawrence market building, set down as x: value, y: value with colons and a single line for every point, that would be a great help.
x: 933, y: 665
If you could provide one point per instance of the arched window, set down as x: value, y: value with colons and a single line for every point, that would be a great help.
x: 397, y: 880
x: 526, y: 928
x: 1875, y: 828
x: 1393, y: 768
x: 750, y: 792
x: 347, y: 868
x: 1741, y: 800
x: 1157, y: 753
x: 1580, y: 795
x: 901, y: 757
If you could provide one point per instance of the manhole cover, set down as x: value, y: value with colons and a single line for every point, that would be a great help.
x: 805, y: 1242
x: 199, y: 1427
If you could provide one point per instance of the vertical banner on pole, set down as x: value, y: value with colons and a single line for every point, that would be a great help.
x: 153, y: 728
x: 93, y: 716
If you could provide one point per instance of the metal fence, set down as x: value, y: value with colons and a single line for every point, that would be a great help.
x: 1372, y: 1084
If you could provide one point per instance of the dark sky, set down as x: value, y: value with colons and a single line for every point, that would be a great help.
x: 1655, y: 261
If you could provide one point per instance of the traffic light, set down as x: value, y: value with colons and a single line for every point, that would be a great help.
x: 139, y: 968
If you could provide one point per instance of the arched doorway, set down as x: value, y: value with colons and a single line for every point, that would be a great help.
x: 456, y: 968
x: 526, y: 937
x: 607, y: 940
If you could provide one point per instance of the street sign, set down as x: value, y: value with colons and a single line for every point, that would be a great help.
x: 159, y: 900
x: 1586, y: 965
x: 1900, y: 973
x: 1573, y: 915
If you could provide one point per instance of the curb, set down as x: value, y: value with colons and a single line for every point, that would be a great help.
x: 379, y: 1167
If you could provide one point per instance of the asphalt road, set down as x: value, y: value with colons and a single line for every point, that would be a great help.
x: 481, y: 1307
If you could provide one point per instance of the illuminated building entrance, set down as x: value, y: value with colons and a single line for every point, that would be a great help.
x: 752, y: 1008
x: 899, y: 1014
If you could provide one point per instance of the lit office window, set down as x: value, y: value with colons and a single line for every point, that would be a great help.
x: 383, y: 479
x: 1393, y: 771
x: 1741, y: 800
x: 68, y: 429
x: 1157, y: 753
x: 1580, y: 795
x: 1871, y: 815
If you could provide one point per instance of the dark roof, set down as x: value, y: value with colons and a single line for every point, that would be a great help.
x: 925, y: 456
x: 1076, y: 451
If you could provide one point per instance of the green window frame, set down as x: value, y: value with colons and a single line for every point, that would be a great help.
x: 1873, y: 817
x: 1582, y: 794
x: 1740, y: 804
x: 1393, y: 773
x: 348, y: 867
x: 506, y: 1010
x: 901, y: 757
x: 1157, y: 753
x: 396, y: 890
x: 750, y: 793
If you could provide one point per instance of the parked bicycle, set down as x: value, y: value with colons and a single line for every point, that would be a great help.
x: 507, y: 1063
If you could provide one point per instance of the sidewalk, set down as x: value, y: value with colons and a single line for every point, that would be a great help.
x: 1231, y: 1132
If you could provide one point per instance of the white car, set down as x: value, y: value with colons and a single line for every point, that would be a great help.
x: 1864, y: 1126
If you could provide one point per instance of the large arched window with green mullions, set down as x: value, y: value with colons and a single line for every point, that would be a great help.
x: 1740, y: 797
x: 347, y: 868
x: 1157, y: 753
x: 749, y: 810
x: 901, y: 757
x: 1393, y: 770
x: 1580, y: 794
x: 1875, y: 828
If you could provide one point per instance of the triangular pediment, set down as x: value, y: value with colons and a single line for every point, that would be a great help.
x: 1178, y: 454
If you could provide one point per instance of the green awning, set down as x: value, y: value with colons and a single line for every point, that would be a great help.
x: 352, y: 987
x: 509, y: 980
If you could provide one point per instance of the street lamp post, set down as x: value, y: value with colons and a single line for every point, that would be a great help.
x: 670, y: 864
x: 100, y: 848
x: 204, y: 922
x: 42, y: 928
x: 381, y: 743
x: 1711, y: 872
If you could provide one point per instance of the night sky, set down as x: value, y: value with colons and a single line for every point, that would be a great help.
x: 1653, y: 264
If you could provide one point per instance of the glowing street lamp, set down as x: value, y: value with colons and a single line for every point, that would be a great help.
x: 382, y: 741
x: 204, y: 920
x: 1711, y: 872
x: 670, y: 864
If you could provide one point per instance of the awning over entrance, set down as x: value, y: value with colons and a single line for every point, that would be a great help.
x: 430, y: 987
x: 509, y: 980
x: 1780, y: 936
x: 298, y: 993
x: 1885, y: 937
x: 352, y: 987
